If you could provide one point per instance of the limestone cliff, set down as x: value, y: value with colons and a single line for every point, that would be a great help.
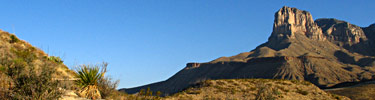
x: 290, y: 21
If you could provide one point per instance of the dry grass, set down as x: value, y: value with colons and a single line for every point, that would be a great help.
x: 253, y: 89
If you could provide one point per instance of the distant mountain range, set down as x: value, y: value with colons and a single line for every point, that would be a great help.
x: 325, y: 52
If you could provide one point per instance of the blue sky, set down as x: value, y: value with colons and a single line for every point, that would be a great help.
x: 146, y: 41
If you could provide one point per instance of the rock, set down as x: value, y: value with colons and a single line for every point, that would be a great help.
x: 290, y: 21
x: 341, y: 32
x: 71, y: 95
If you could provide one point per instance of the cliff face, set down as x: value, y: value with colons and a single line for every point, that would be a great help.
x: 338, y: 31
x: 290, y: 21
x: 325, y: 52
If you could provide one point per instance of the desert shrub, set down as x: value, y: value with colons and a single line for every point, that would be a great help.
x: 33, y: 84
x: 16, y: 68
x: 13, y: 39
x: 146, y: 95
x: 158, y: 93
x: 148, y: 92
x: 107, y: 87
x: 55, y: 59
x: 265, y: 92
x: 141, y: 92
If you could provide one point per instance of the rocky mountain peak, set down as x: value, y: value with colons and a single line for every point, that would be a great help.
x: 341, y: 31
x: 290, y: 21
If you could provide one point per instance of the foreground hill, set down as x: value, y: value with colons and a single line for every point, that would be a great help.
x: 15, y: 51
x: 325, y: 52
x: 250, y: 89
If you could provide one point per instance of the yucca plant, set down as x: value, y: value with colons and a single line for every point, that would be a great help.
x: 88, y: 78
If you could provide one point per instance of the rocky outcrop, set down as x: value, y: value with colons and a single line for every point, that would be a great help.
x: 290, y: 21
x: 341, y: 32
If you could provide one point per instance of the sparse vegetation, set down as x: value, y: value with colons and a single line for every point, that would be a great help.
x: 145, y: 94
x: 107, y: 87
x: 35, y: 85
x: 265, y: 92
x: 26, y: 82
x: 252, y: 89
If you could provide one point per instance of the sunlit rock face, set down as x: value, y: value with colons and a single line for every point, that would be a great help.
x: 290, y: 21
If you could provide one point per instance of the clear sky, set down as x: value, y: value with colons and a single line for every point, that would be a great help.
x: 146, y: 41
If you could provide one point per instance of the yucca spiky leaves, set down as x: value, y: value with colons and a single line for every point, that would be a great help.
x: 88, y: 78
x: 89, y: 75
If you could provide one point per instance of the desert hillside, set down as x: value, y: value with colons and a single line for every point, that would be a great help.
x: 254, y: 89
x: 28, y: 73
x: 13, y: 49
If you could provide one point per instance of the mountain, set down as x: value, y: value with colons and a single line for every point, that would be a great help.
x: 325, y: 52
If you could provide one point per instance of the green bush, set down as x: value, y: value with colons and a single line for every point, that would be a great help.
x: 55, y: 59
x: 13, y: 39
